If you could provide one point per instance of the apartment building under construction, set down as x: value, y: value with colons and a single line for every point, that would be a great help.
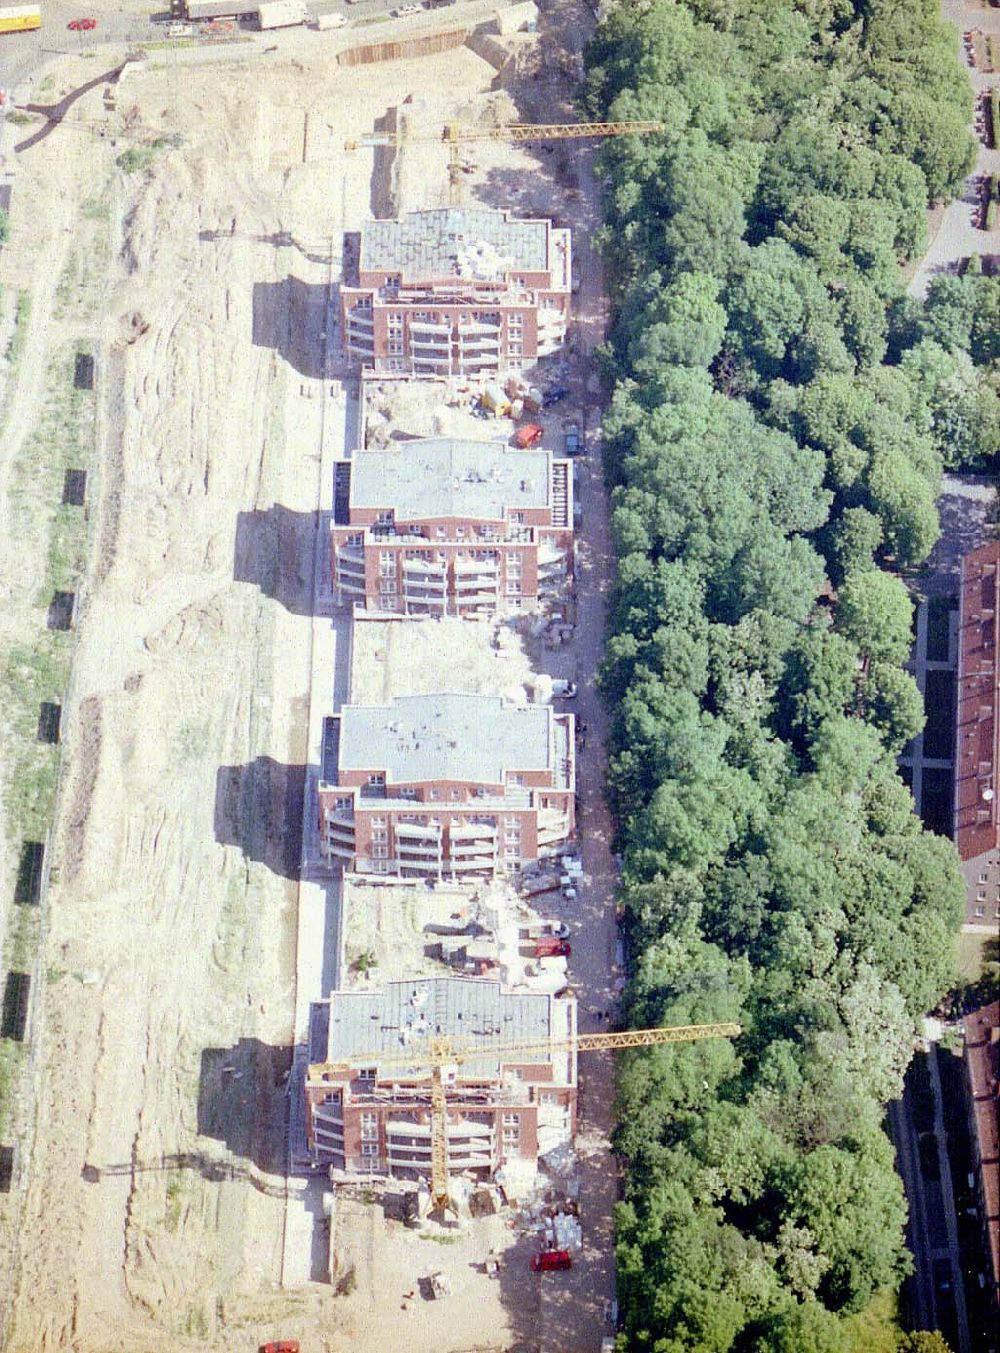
x: 366, y: 1117
x: 456, y: 292
x: 447, y: 526
x: 446, y: 786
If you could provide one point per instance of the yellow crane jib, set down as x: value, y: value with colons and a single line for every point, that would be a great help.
x: 454, y: 135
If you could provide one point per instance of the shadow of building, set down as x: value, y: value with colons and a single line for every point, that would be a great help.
x: 274, y: 551
x: 258, y: 807
x: 242, y: 1100
x: 288, y: 318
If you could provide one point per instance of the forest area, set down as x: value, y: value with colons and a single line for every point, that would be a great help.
x: 781, y: 416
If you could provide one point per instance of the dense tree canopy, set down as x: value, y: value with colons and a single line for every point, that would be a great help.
x: 780, y: 419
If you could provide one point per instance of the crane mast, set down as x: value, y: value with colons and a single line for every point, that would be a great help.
x: 433, y: 1054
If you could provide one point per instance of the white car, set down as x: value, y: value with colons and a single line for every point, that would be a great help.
x: 562, y: 689
x: 404, y: 10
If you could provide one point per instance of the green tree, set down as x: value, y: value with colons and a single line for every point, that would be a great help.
x: 851, y: 541
x: 923, y: 1341
x: 893, y: 704
x: 805, y: 1328
x: 905, y: 503
x: 851, y: 1199
x: 875, y: 612
x: 820, y: 680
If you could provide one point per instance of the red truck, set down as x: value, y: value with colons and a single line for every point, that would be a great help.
x: 549, y: 1261
x: 551, y: 946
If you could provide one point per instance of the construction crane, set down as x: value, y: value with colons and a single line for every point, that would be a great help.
x: 454, y: 135
x: 438, y: 1052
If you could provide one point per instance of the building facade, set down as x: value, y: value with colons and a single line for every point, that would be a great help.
x: 977, y: 737
x: 446, y: 526
x: 456, y: 292
x: 446, y: 786
x: 364, y: 1116
x: 982, y: 1075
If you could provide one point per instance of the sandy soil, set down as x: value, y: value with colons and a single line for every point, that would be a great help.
x: 425, y: 656
x: 155, y: 1209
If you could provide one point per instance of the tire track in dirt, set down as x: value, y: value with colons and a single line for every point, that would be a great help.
x: 87, y: 763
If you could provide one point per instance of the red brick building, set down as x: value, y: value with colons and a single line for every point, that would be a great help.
x: 982, y: 1071
x: 372, y: 1118
x: 445, y: 526
x: 457, y: 292
x: 446, y: 786
x: 977, y: 740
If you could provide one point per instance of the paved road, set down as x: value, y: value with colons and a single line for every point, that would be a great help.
x: 936, y: 1289
x: 958, y: 236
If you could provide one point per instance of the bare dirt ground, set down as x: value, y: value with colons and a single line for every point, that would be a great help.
x: 155, y: 1207
x: 154, y: 1211
x: 423, y: 657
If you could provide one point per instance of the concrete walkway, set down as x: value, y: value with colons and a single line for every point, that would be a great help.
x: 319, y: 938
x: 958, y: 236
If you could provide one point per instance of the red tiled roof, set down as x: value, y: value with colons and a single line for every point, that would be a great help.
x: 977, y: 752
x: 982, y: 1059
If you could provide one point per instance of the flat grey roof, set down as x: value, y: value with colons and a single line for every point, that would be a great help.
x: 450, y: 477
x: 475, y: 243
x: 472, y: 738
x: 366, y: 1023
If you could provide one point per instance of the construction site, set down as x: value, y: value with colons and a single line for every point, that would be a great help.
x: 325, y: 902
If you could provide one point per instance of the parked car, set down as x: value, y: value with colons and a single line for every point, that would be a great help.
x: 942, y: 1275
x: 562, y: 689
x: 404, y: 10
x: 554, y: 395
x: 572, y: 440
x: 280, y: 1346
x: 81, y: 25
x: 550, y: 1260
x: 543, y: 929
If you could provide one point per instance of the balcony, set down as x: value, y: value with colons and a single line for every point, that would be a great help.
x: 427, y: 831
x: 420, y: 602
x: 472, y: 831
x: 425, y: 569
x: 428, y: 329
x: 485, y: 582
x: 469, y: 589
x: 476, y: 568
x: 479, y: 349
x: 410, y: 866
x: 552, y: 562
x: 553, y: 827
x: 425, y: 367
x: 363, y: 353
